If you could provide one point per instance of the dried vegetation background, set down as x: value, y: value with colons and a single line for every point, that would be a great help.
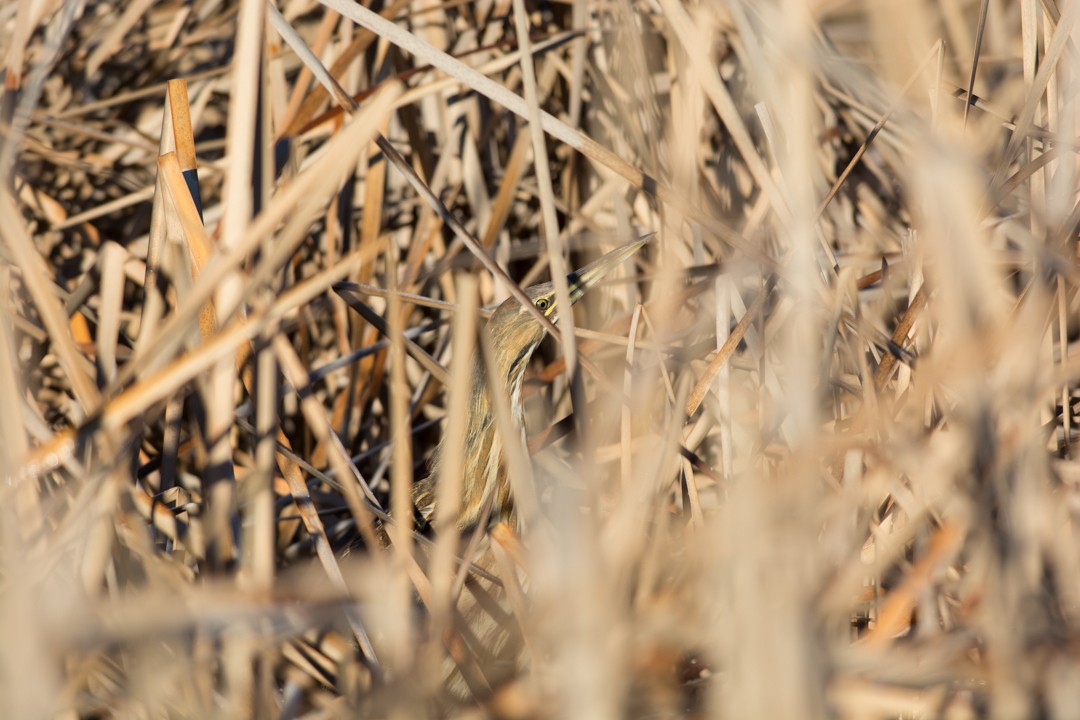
x: 824, y: 463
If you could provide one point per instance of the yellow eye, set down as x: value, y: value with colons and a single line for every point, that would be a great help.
x: 542, y: 304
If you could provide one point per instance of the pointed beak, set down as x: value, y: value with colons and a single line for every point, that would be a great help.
x: 581, y: 280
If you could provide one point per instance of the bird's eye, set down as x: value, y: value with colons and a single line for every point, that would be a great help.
x: 542, y: 304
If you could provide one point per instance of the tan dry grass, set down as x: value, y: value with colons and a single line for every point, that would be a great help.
x: 825, y: 429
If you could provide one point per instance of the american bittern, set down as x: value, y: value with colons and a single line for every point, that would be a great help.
x: 514, y: 335
x: 490, y: 640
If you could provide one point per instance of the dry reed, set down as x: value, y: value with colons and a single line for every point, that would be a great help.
x: 809, y: 455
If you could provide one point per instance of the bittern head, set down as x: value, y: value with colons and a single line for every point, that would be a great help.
x: 515, y: 333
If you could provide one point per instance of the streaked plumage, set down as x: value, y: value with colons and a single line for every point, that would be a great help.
x: 514, y: 335
x: 489, y: 630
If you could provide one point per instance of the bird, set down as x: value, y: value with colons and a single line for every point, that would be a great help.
x: 514, y: 334
x: 486, y: 625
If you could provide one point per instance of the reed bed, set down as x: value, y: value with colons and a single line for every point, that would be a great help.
x: 821, y: 457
